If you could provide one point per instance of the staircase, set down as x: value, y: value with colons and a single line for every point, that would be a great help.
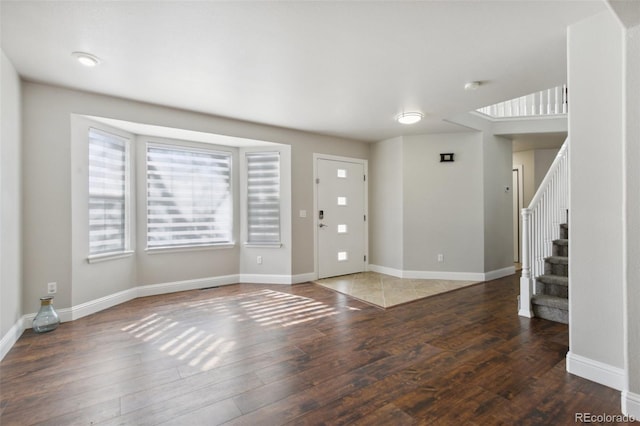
x: 551, y: 298
x: 544, y: 283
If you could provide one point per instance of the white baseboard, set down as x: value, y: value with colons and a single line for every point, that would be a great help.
x: 265, y: 279
x: 175, y: 286
x: 10, y: 338
x: 499, y: 273
x: 596, y: 371
x: 303, y: 278
x: 631, y: 404
x: 65, y: 314
x: 385, y: 270
x: 444, y: 275
x: 97, y: 305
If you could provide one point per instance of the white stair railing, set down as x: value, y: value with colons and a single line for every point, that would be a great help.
x: 541, y: 225
x: 543, y: 103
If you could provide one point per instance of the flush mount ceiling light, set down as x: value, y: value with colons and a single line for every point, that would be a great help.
x: 472, y: 85
x: 86, y: 59
x: 409, y: 117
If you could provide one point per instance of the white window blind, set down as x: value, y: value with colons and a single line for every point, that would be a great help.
x: 263, y: 197
x: 188, y: 197
x: 107, y: 193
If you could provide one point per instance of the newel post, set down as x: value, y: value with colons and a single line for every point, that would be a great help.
x: 526, y: 281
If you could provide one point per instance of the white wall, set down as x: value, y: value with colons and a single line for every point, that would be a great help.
x: 10, y: 201
x: 48, y: 219
x: 421, y: 208
x: 536, y: 163
x: 528, y: 161
x: 596, y: 308
x: 443, y: 203
x: 497, y: 160
x: 543, y: 160
x: 632, y: 184
x: 386, y: 204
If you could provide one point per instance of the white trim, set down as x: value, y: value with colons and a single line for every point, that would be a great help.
x: 265, y: 245
x: 97, y: 305
x: 65, y: 315
x: 499, y: 273
x: 265, y: 279
x: 444, y: 275
x: 12, y: 336
x: 178, y: 249
x: 109, y: 256
x: 303, y: 278
x: 525, y: 311
x: 596, y: 371
x: 386, y: 270
x: 631, y: 404
x: 175, y: 286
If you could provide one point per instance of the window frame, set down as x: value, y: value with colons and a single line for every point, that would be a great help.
x: 187, y: 147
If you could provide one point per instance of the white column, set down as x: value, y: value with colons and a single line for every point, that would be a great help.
x: 526, y: 281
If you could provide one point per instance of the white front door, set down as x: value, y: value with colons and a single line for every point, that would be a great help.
x: 340, y: 217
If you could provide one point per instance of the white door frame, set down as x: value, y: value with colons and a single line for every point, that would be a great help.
x: 520, y: 194
x: 316, y: 223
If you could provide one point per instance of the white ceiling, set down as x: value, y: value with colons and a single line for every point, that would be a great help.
x: 343, y: 68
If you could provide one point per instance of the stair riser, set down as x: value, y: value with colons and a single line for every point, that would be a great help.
x: 551, y: 314
x: 560, y: 250
x: 564, y: 233
x: 552, y: 289
x: 556, y: 269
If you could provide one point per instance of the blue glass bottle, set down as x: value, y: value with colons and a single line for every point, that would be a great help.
x: 47, y: 318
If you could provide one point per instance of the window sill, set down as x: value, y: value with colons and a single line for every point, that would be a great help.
x: 265, y: 245
x: 162, y: 250
x: 109, y: 256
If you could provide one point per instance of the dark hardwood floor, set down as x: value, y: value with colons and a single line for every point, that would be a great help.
x: 299, y: 355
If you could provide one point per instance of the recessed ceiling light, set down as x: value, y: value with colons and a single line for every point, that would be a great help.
x: 472, y: 85
x: 410, y: 117
x: 86, y: 59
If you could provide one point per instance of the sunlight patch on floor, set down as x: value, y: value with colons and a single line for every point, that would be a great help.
x: 204, y: 350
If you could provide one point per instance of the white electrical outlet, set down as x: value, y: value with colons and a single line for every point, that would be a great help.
x: 52, y: 288
x: 303, y: 213
x: 440, y: 257
x: 259, y: 260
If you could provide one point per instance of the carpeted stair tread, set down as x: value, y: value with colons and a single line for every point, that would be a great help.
x: 561, y: 242
x: 554, y: 279
x: 559, y: 260
x: 551, y: 301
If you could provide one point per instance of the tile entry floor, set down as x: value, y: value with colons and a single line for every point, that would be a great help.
x: 386, y: 291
